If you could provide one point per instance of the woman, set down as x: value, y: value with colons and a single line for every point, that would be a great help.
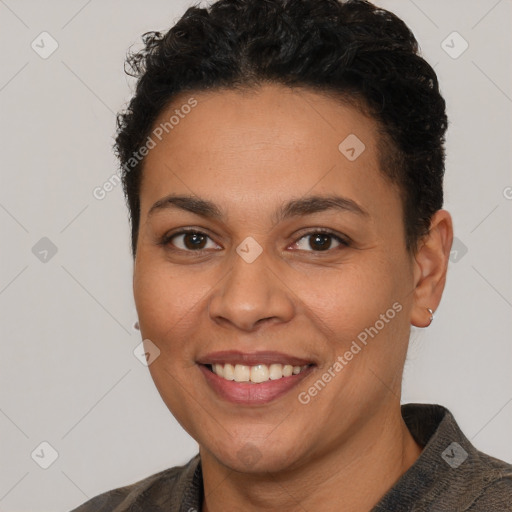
x: 283, y: 163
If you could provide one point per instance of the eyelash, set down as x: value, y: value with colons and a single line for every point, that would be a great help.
x: 344, y: 242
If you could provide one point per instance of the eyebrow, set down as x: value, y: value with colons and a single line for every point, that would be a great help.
x: 315, y: 204
x: 294, y: 208
x: 188, y: 203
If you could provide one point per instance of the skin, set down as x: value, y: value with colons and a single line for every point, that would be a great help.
x: 250, y: 153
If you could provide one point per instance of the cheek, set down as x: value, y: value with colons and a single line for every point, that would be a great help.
x: 348, y: 297
x: 360, y: 310
x: 167, y: 301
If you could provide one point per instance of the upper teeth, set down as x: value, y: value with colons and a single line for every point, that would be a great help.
x: 257, y: 373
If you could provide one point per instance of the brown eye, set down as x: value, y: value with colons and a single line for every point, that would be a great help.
x: 192, y: 241
x: 319, y: 241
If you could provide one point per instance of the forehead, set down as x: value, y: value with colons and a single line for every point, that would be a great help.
x: 255, y: 146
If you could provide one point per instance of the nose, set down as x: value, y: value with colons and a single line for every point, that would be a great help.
x: 251, y: 295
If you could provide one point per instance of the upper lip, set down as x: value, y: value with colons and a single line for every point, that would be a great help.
x: 251, y: 359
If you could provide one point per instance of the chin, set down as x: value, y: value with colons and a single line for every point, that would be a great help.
x: 253, y: 458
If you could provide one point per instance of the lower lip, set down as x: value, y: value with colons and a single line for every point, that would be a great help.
x: 247, y: 393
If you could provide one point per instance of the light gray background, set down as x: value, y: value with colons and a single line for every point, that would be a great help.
x: 68, y: 373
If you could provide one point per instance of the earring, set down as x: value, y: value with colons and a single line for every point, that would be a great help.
x: 431, y: 316
x: 136, y: 325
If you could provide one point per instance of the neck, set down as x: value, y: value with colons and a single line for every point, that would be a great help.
x: 357, y: 473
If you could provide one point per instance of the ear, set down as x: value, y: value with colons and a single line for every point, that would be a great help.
x: 430, y: 267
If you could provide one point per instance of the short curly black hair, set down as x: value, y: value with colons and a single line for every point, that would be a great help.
x: 352, y: 49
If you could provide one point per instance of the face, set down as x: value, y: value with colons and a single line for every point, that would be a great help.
x: 264, y: 244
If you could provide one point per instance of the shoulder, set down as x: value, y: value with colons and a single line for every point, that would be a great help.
x: 493, y: 489
x: 161, y: 491
x: 450, y: 474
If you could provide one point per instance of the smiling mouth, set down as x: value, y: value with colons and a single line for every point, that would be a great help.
x: 255, y: 378
x: 255, y: 374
